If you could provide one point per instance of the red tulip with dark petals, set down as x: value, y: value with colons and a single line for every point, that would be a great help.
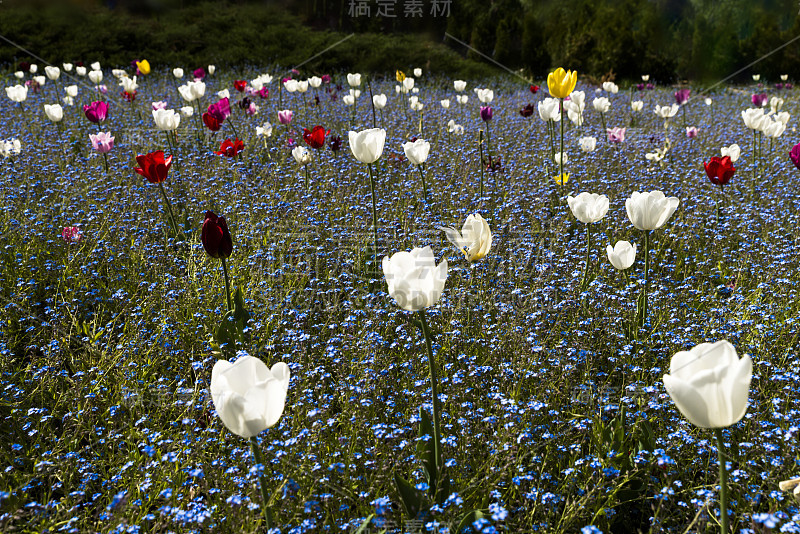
x: 316, y: 137
x: 240, y: 85
x: 230, y: 148
x: 719, y: 170
x: 211, y: 122
x: 215, y: 236
x: 153, y: 166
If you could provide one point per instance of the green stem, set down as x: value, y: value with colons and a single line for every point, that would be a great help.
x: 306, y: 169
x: 723, y: 482
x: 480, y: 148
x: 603, y: 120
x: 169, y: 208
x: 437, y: 434
x: 424, y: 187
x: 588, y: 251
x: 227, y: 284
x: 753, y: 185
x: 262, y: 479
x: 374, y: 213
x: 646, y: 274
x: 561, y: 160
x: 105, y: 160
x: 374, y: 119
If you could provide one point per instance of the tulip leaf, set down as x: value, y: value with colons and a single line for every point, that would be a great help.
x: 231, y: 327
x: 427, y: 451
x: 468, y: 519
x: 411, y: 498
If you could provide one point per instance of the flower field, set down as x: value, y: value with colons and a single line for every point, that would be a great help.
x: 250, y: 302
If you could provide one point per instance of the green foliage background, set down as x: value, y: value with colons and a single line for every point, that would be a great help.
x: 701, y: 40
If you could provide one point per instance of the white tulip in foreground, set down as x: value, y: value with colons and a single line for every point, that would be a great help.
x: 622, y: 255
x: 367, y: 145
x: 732, y: 152
x: 415, y: 281
x: 588, y: 207
x: 379, y: 101
x: 475, y: 238
x: 248, y: 396
x: 710, y: 384
x: 417, y: 152
x: 55, y: 112
x: 166, y: 119
x: 649, y: 211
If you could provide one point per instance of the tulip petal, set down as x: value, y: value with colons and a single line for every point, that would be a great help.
x: 688, y: 401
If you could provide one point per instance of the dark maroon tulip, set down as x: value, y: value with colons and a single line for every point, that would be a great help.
x: 215, y: 236
x: 96, y: 111
x: 682, y: 96
x: 795, y: 155
x: 486, y: 113
x: 199, y: 74
x: 527, y: 111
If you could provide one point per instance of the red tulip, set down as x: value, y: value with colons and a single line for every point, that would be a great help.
x: 199, y: 74
x: 240, y: 85
x: 719, y: 170
x: 154, y: 166
x: 534, y: 89
x: 794, y: 155
x: 211, y: 122
x: 527, y: 111
x: 129, y: 97
x: 316, y: 137
x: 230, y: 148
x: 215, y: 236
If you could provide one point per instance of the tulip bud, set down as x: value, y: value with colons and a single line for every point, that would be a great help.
x: 622, y: 255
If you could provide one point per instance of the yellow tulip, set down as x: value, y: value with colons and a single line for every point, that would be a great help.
x: 399, y: 76
x: 143, y: 66
x: 561, y: 83
x: 562, y: 178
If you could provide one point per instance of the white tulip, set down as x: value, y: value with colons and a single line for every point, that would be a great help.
x: 775, y: 104
x: 417, y: 72
x: 756, y: 77
x: 166, y: 119
x: 782, y: 116
x: 708, y: 101
x: 68, y: 100
x: 302, y: 86
x: 637, y: 105
x: 475, y: 238
x: 290, y: 85
x: 549, y: 110
x: 71, y: 90
x: 95, y: 65
x: 601, y: 104
x: 774, y: 129
x: 462, y: 99
x: 177, y: 72
x: 485, y: 96
x: 588, y: 207
x: 354, y: 80
x: 459, y: 85
x: 67, y: 67
x: 454, y: 128
x: 33, y: 68
x: 41, y: 80
x: 379, y: 101
x: 249, y: 397
x: 397, y: 89
x: 622, y: 255
x: 225, y: 93
x: 10, y: 147
x: 17, y: 93
x: 666, y: 112
x: 645, y: 77
x: 348, y: 100
x: 118, y: 73
x: 129, y: 85
x: 408, y: 84
x: 80, y: 71
x: 417, y: 152
x: 610, y: 87
x: 367, y: 145
x: 301, y: 155
x: 55, y: 112
x: 415, y: 281
x: 52, y: 72
x: 212, y: 69
x: 19, y: 74
x: 315, y: 81
x: 561, y: 156
x: 732, y: 152
x: 754, y: 118
x: 710, y: 384
x: 445, y: 103
x: 649, y: 211
x: 355, y: 93
x: 587, y: 144
x: 265, y: 130
x: 96, y: 76
x: 187, y: 111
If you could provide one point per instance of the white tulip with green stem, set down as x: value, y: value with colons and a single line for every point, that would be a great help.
x: 249, y: 398
x: 648, y: 212
x: 417, y: 154
x: 588, y: 208
x: 415, y: 282
x: 367, y: 147
x: 710, y: 385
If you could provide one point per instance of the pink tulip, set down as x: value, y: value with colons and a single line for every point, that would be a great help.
x: 691, y: 132
x: 285, y: 116
x: 616, y: 135
x: 103, y: 142
x: 159, y: 105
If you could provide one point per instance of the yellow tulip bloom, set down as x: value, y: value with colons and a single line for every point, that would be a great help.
x: 561, y: 179
x: 561, y: 83
x: 399, y: 76
x: 143, y: 66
